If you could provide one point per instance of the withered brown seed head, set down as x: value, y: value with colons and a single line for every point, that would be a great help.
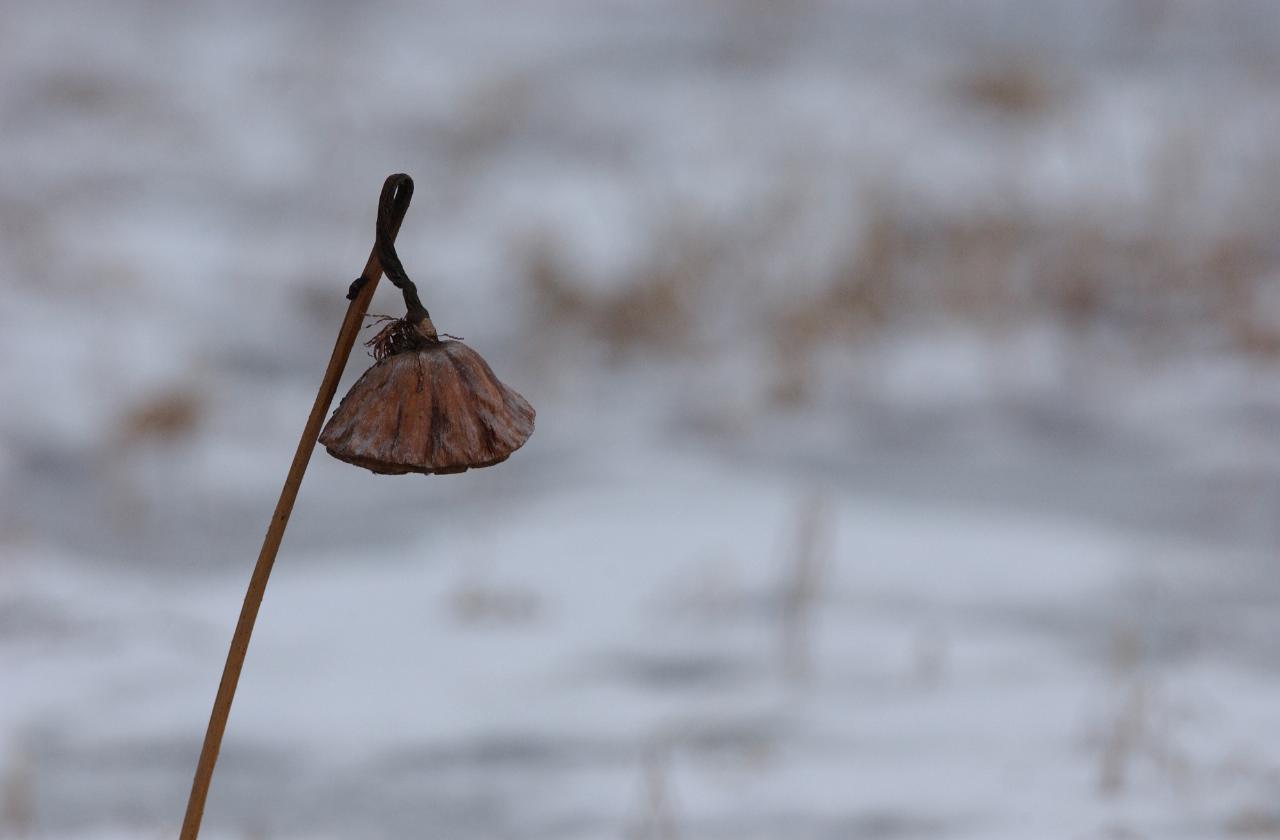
x: 400, y: 335
x: 427, y: 406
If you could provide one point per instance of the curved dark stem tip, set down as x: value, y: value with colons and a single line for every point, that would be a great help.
x: 393, y: 203
x: 396, y: 193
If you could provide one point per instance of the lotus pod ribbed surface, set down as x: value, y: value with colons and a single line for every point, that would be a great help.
x: 435, y: 409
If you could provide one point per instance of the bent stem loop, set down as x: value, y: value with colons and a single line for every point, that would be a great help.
x: 385, y: 248
x: 397, y: 191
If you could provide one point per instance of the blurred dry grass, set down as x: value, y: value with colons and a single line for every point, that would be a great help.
x: 652, y: 305
x: 656, y: 819
x: 1182, y: 264
x: 1014, y: 86
x: 801, y: 589
x: 17, y: 808
x: 165, y: 416
x: 1148, y: 283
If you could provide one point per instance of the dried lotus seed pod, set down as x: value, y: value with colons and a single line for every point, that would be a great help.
x: 427, y: 406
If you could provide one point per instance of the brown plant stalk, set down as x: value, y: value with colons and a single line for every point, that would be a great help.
x: 397, y: 191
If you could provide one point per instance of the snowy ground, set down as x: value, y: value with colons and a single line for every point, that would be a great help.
x: 791, y: 554
x: 635, y: 655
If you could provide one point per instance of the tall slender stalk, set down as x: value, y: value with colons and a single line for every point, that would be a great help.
x: 397, y: 191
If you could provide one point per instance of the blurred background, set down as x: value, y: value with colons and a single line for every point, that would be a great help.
x: 908, y: 446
